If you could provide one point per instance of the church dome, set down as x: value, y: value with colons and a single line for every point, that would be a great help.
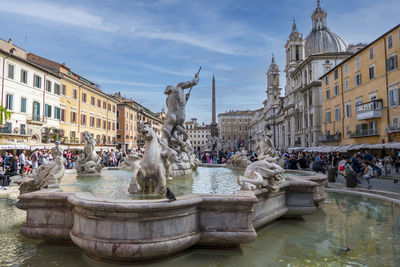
x: 321, y: 39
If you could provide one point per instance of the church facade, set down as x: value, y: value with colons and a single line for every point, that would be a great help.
x: 296, y: 118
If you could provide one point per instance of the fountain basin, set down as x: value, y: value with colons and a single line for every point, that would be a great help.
x: 140, y: 230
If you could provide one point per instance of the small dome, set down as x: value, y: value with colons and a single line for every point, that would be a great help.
x: 323, y: 40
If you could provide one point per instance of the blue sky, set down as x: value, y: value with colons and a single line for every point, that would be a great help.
x: 139, y: 47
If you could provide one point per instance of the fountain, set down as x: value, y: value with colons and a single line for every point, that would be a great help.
x: 88, y: 162
x: 47, y: 175
x: 127, y: 229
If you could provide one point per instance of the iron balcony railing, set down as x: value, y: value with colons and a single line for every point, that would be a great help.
x: 393, y: 128
x: 330, y: 137
x: 369, y: 110
x: 365, y: 133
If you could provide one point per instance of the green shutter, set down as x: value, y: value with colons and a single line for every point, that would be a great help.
x: 23, y: 105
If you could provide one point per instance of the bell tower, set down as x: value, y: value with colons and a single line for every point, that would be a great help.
x: 295, y: 54
x: 273, y: 89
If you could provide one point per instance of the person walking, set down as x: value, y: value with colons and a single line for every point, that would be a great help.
x: 22, y: 160
x: 35, y: 159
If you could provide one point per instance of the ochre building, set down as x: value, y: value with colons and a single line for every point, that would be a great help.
x: 360, y: 96
x: 129, y: 114
x: 84, y: 107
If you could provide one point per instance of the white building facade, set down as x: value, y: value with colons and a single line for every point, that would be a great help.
x: 198, y: 134
x: 296, y: 118
x: 30, y: 92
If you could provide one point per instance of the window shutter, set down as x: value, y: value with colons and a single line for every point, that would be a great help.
x: 395, y: 62
x: 398, y: 95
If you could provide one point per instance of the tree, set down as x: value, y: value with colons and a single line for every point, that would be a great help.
x: 5, y: 115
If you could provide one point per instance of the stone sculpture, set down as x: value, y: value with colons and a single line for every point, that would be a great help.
x: 181, y: 162
x: 88, y: 162
x: 239, y: 159
x: 262, y: 173
x: 265, y: 147
x: 266, y: 172
x: 149, y: 172
x: 48, y: 174
x: 213, y: 144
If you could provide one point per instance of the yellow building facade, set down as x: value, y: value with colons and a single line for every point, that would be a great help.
x: 84, y: 107
x: 360, y: 96
x: 129, y: 114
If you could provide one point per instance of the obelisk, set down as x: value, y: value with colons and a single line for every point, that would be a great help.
x: 214, y: 129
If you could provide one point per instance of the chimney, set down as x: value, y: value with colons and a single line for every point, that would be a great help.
x: 10, y: 41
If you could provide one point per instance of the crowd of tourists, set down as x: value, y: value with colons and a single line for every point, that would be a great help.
x: 364, y: 164
x: 24, y: 162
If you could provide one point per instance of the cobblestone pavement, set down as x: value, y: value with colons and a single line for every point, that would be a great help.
x: 377, y: 184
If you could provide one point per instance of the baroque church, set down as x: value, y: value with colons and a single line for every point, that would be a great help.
x: 296, y: 118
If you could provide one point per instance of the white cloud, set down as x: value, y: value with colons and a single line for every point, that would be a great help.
x: 130, y: 83
x: 71, y: 15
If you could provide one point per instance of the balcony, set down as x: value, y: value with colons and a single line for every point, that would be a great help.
x: 330, y: 138
x: 393, y: 128
x: 365, y: 133
x: 35, y: 119
x: 369, y: 110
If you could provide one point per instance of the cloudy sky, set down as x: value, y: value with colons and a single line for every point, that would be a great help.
x: 139, y: 47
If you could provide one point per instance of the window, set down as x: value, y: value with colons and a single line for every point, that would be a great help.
x: 62, y: 114
x: 337, y: 114
x: 328, y: 116
x: 345, y: 68
x: 393, y: 97
x: 357, y: 79
x: 74, y: 93
x: 83, y: 119
x: 9, y: 101
x: 56, y: 89
x: 109, y: 107
x: 84, y: 97
x: 23, y: 104
x: 335, y: 74
x: 346, y: 84
x: 93, y: 101
x: 372, y: 72
x: 24, y: 76
x: 64, y: 89
x: 327, y: 93
x: 37, y: 81
x: 358, y: 101
x: 118, y: 116
x: 99, y: 103
x: 98, y: 123
x: 390, y: 41
x: 10, y: 71
x: 357, y: 61
x: 23, y: 129
x: 104, y: 124
x: 113, y: 109
x: 57, y: 112
x: 391, y: 63
x: 48, y: 86
x: 91, y: 121
x: 348, y: 109
x: 104, y: 105
x: 395, y: 123
x: 73, y: 117
x: 371, y: 52
x: 47, y: 110
x: 336, y: 90
x: 326, y: 80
